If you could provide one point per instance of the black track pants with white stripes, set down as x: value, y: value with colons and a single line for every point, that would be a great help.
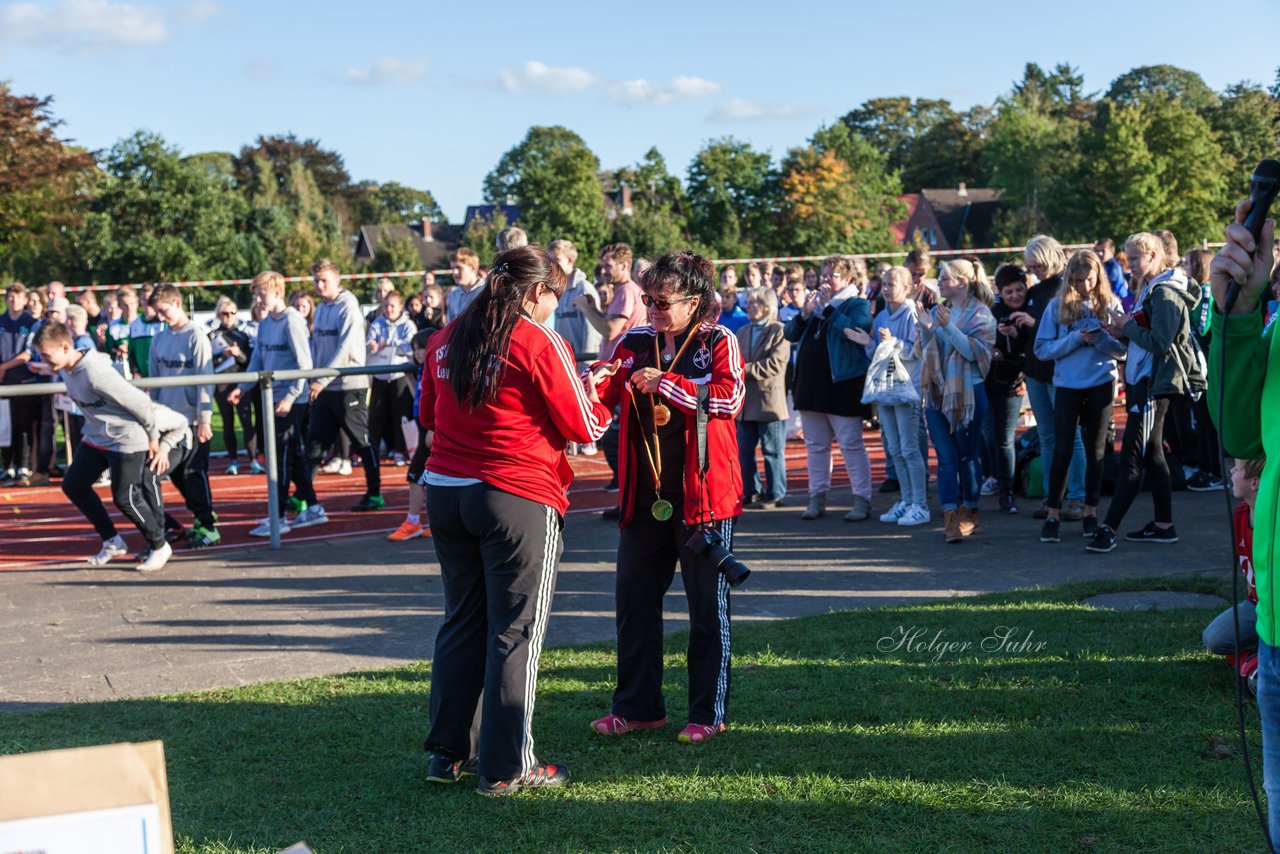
x: 648, y: 551
x: 498, y: 556
x: 134, y: 488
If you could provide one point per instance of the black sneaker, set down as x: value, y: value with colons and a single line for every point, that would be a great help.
x: 1104, y: 540
x: 611, y: 514
x: 1090, y: 526
x: 1204, y: 482
x: 1008, y: 504
x: 369, y: 503
x: 544, y: 775
x: 765, y: 504
x: 442, y: 769
x: 1152, y: 534
x: 1049, y: 532
x: 890, y: 485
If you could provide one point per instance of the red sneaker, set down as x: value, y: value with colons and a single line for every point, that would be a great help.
x: 618, y: 725
x: 698, y: 733
x: 406, y: 531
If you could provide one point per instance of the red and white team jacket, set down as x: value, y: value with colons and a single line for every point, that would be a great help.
x: 516, y: 443
x: 712, y: 360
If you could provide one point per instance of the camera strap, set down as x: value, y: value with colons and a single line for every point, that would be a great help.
x: 703, y: 405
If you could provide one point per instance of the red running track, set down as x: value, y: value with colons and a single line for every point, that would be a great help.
x: 39, y: 527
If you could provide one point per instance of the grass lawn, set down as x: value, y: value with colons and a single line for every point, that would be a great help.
x: 1099, y: 740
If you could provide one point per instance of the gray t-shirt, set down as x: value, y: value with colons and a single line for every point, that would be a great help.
x: 282, y: 345
x: 183, y: 352
x: 338, y: 341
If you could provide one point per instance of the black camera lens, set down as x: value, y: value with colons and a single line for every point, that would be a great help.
x: 707, y: 544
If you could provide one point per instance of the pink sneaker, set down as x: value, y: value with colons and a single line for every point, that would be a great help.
x: 698, y: 733
x: 618, y: 725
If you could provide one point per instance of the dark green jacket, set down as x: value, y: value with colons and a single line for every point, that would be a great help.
x: 1176, y: 367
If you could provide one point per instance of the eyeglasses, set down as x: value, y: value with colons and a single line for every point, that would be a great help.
x: 226, y: 314
x: 662, y: 304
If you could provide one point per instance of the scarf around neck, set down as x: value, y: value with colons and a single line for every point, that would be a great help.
x: 948, y: 387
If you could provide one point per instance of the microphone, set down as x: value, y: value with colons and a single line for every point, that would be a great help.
x: 1263, y: 186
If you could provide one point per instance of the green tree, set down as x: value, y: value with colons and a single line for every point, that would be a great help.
x: 1123, y: 183
x: 839, y: 197
x: 290, y: 225
x: 733, y: 198
x: 950, y: 152
x: 894, y: 125
x: 553, y: 176
x: 657, y: 222
x: 481, y: 236
x: 395, y: 254
x: 392, y: 202
x: 156, y: 216
x: 1247, y: 123
x: 1167, y: 81
x: 1033, y: 157
x: 43, y: 184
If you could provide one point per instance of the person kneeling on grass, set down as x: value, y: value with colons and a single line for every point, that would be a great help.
x: 1220, y: 635
x: 125, y: 432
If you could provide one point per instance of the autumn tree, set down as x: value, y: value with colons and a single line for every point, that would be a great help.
x: 42, y: 188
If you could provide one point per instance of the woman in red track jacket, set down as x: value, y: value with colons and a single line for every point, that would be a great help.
x: 501, y: 394
x: 665, y: 499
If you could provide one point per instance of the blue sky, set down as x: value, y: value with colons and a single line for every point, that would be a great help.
x: 431, y: 94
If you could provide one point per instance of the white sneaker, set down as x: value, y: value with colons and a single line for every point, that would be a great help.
x: 333, y: 466
x: 111, y: 548
x: 313, y: 515
x: 588, y: 450
x: 266, y: 520
x: 344, y: 468
x: 895, y: 512
x: 398, y: 459
x: 156, y: 559
x: 915, y: 515
x: 990, y: 486
x: 264, y: 528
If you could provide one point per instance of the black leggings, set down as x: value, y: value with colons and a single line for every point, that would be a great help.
x: 244, y: 409
x: 134, y: 488
x: 1091, y: 409
x: 389, y: 401
x: 1142, y: 451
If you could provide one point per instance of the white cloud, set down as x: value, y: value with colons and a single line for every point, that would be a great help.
x: 644, y: 92
x: 389, y: 72
x: 82, y: 24
x: 201, y: 11
x: 739, y: 110
x: 537, y: 77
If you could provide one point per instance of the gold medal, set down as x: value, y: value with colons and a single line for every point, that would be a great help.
x: 661, y: 415
x: 662, y: 510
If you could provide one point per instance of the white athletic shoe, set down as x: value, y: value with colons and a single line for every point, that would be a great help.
x: 895, y: 512
x: 344, y: 468
x: 264, y: 528
x: 588, y: 450
x: 915, y: 515
x: 112, y: 548
x: 266, y: 520
x: 157, y: 559
x: 313, y: 515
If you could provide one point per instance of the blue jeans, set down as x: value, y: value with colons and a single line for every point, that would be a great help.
x: 1002, y: 422
x: 1269, y: 712
x: 890, y: 467
x: 1041, y: 396
x: 771, y: 436
x: 959, y: 461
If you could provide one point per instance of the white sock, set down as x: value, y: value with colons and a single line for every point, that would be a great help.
x: 412, y: 518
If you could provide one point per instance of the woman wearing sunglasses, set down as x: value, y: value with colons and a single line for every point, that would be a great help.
x: 681, y: 361
x: 500, y: 392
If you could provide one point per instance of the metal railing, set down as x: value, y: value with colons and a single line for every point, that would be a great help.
x: 266, y: 381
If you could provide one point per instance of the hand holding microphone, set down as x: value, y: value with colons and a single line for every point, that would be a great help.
x: 1241, y: 270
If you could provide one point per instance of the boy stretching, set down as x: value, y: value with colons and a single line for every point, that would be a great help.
x: 124, y: 432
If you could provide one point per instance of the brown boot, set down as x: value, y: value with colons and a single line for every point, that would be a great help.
x: 951, y: 526
x: 968, y: 521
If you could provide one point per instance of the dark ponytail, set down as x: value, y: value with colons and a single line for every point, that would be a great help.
x: 481, y: 335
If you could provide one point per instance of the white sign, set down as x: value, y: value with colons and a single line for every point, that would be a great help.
x: 121, y: 830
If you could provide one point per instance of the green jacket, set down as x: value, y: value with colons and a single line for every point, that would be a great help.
x: 1250, y: 429
x: 1176, y: 369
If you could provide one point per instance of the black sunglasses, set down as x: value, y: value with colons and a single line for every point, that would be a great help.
x: 662, y: 304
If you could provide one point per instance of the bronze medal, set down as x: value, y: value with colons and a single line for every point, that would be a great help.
x: 662, y: 510
x: 661, y: 415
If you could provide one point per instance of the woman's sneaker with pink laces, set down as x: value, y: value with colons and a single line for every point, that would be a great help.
x: 698, y: 733
x: 618, y: 725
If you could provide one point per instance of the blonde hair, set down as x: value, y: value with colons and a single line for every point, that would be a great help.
x: 323, y: 265
x: 1145, y: 241
x: 564, y: 247
x: 1048, y: 253
x: 271, y: 281
x: 465, y: 256
x: 1100, y: 297
x: 973, y: 274
x: 899, y: 274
